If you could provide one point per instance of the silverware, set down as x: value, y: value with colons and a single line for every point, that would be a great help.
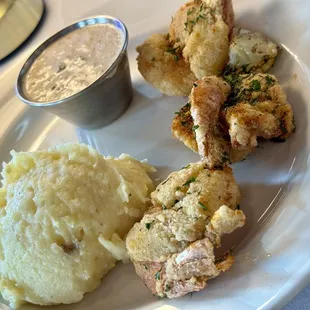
x: 101, y: 102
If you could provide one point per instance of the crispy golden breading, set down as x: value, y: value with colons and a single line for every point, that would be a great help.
x: 182, y: 204
x: 189, y: 262
x: 207, y: 45
x: 259, y: 109
x: 168, y: 231
x: 256, y: 107
x: 196, y: 46
x: 163, y: 66
x: 194, y: 186
x: 237, y: 155
x: 224, y: 263
x: 182, y: 127
x: 207, y: 97
x: 190, y: 13
x: 184, y: 16
x: 207, y: 49
x: 197, y: 124
x: 228, y: 14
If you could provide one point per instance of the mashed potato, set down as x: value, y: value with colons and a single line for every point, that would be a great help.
x: 63, y: 215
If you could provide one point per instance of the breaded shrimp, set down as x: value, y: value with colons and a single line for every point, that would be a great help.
x: 207, y: 97
x: 202, y: 28
x: 198, y: 125
x: 188, y: 14
x: 259, y: 109
x: 163, y: 66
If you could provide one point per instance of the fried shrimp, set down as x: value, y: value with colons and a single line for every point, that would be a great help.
x: 202, y: 28
x: 198, y: 125
x: 207, y: 97
x: 162, y: 65
x: 190, y: 13
x: 197, y: 45
x: 259, y: 109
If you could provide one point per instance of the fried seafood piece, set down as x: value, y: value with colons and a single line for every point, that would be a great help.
x: 207, y: 98
x: 201, y: 29
x: 172, y: 248
x: 188, y: 15
x: 259, y: 108
x: 182, y: 127
x: 199, y: 191
x: 162, y: 65
x: 251, y: 52
x: 198, y: 123
x: 182, y: 205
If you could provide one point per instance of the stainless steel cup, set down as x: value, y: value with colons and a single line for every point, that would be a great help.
x: 101, y: 102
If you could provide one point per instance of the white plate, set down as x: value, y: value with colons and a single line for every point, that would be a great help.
x: 272, y: 257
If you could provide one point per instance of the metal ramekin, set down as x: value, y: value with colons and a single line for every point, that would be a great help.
x: 101, y: 102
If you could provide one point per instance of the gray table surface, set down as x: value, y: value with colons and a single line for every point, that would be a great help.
x: 301, y: 301
x: 48, y: 27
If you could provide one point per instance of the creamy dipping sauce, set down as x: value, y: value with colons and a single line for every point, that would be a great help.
x: 72, y: 63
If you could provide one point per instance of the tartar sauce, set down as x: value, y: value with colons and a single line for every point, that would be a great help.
x: 72, y: 63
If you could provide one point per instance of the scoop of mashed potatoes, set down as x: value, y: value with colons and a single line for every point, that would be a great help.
x: 63, y: 215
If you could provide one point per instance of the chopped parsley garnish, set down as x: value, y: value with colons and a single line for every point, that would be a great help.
x: 195, y: 127
x: 177, y: 113
x: 186, y: 167
x: 190, y: 11
x: 231, y: 78
x: 270, y: 81
x: 225, y: 158
x: 188, y: 105
x: 245, y: 68
x: 283, y: 127
x: 148, y: 225
x: 173, y: 51
x: 183, y: 123
x: 255, y: 85
x: 167, y: 288
x: 178, y: 188
x: 202, y: 205
x: 167, y: 36
x: 188, y: 182
x: 157, y: 274
x: 164, y: 207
